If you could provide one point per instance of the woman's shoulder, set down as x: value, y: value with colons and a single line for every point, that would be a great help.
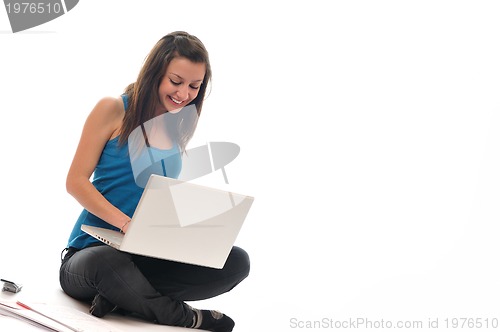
x: 108, y: 113
x: 110, y: 105
x: 109, y: 108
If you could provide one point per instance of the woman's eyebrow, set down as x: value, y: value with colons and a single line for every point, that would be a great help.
x: 183, y: 78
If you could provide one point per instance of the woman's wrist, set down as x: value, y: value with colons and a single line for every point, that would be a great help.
x: 124, y: 225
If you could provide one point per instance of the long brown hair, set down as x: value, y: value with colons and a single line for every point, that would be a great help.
x: 143, y: 93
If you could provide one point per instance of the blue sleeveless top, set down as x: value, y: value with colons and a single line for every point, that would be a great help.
x: 114, y: 179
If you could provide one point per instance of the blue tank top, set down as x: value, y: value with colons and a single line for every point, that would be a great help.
x: 114, y: 179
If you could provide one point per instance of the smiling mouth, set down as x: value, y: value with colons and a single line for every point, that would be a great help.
x: 178, y: 102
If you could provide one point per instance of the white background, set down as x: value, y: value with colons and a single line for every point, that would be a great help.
x: 369, y: 135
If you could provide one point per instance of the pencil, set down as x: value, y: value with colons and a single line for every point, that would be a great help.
x: 55, y: 320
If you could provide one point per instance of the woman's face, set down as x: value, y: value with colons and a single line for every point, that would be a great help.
x: 180, y: 84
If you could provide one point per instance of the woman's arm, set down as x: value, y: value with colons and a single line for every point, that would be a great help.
x: 102, y: 124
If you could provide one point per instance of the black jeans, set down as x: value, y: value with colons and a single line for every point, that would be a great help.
x: 152, y: 288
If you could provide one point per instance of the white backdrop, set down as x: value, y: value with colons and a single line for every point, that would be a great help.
x: 369, y: 135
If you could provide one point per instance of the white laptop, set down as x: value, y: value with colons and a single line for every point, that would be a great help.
x: 181, y: 221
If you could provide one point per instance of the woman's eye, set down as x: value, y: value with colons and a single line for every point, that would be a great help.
x: 194, y: 87
x: 175, y: 83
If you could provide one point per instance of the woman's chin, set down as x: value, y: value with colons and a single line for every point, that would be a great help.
x: 175, y: 110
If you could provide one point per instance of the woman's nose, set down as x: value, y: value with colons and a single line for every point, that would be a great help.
x: 183, y: 92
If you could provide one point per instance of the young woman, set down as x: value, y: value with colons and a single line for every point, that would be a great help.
x: 175, y: 75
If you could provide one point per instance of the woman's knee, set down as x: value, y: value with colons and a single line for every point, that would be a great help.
x: 239, y: 262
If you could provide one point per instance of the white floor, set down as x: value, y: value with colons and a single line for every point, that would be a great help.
x: 45, y: 297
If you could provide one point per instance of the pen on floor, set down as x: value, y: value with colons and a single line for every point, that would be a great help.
x: 55, y: 320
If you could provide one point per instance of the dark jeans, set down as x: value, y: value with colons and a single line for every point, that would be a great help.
x: 152, y: 288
